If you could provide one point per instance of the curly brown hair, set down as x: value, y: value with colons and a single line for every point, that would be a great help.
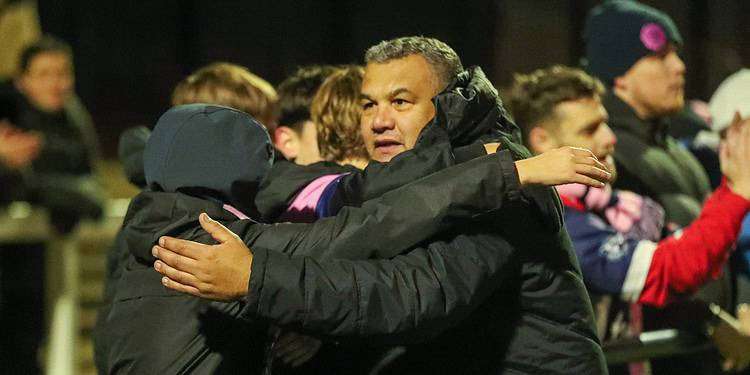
x: 229, y: 85
x: 336, y: 113
x: 533, y: 97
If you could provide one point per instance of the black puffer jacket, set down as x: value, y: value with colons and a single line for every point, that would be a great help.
x: 149, y: 329
x: 500, y: 294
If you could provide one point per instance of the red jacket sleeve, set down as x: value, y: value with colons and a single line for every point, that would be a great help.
x: 681, y: 264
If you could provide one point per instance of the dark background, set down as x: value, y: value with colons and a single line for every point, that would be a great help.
x: 130, y: 54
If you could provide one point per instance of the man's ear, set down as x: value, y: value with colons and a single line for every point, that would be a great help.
x: 287, y: 141
x: 540, y: 140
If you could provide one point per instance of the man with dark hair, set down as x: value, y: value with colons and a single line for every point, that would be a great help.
x: 442, y: 59
x: 617, y: 235
x: 501, y: 293
x: 295, y: 137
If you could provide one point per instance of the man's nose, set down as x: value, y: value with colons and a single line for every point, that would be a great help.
x: 677, y: 64
x: 383, y: 121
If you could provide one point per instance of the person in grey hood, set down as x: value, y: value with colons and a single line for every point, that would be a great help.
x: 210, y: 159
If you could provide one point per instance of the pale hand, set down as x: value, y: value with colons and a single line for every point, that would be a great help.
x: 734, y: 155
x: 18, y: 148
x: 218, y: 272
x: 564, y: 165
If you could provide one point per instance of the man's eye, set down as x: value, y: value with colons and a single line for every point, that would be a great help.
x: 398, y: 103
x: 367, y: 105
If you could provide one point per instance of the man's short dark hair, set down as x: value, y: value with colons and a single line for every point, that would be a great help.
x: 296, y: 93
x: 534, y: 96
x: 442, y: 58
x: 47, y: 44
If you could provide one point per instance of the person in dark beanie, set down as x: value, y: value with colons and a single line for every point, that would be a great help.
x: 633, y: 49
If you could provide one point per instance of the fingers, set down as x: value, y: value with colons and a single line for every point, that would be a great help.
x: 586, y: 180
x: 219, y: 232
x: 176, y: 275
x: 295, y: 349
x: 727, y: 365
x: 592, y: 175
x: 174, y: 260
x: 186, y: 248
x: 592, y: 161
x: 305, y: 356
x: 171, y: 284
x: 582, y: 152
x: 287, y: 343
x: 286, y: 338
x: 736, y: 119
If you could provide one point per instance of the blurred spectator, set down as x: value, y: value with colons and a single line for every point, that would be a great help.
x: 17, y: 150
x: 334, y: 132
x: 733, y: 95
x: 296, y: 137
x: 732, y: 98
x: 336, y: 112
x: 19, y: 27
x: 691, y: 127
x: 617, y: 235
x: 232, y: 86
x: 61, y: 176
x: 633, y: 49
x: 48, y: 151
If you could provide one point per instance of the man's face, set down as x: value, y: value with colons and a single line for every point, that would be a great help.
x: 48, y: 81
x: 581, y: 123
x: 396, y: 105
x: 655, y: 85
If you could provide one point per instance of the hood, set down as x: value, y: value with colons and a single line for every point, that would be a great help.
x: 209, y: 151
x: 130, y: 152
x: 154, y: 214
x: 469, y: 110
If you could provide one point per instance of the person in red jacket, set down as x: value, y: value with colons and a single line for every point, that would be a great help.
x: 619, y: 236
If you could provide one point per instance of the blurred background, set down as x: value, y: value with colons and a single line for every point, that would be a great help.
x: 129, y: 55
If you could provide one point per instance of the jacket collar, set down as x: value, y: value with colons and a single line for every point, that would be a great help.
x: 622, y: 117
x: 470, y: 110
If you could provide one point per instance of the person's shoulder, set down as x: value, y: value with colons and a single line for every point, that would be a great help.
x: 286, y: 180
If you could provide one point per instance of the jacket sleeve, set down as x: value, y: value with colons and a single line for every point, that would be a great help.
x: 653, y: 273
x: 400, y: 219
x: 409, y: 298
x: 378, y: 178
x: 682, y: 263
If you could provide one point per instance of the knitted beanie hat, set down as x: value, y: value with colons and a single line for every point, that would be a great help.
x: 619, y: 32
